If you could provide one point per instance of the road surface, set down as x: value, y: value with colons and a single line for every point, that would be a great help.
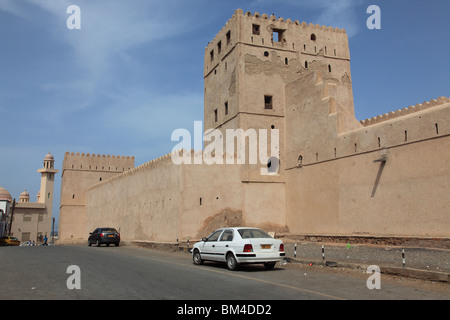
x: 125, y: 272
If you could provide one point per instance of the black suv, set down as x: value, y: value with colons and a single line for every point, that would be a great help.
x: 104, y: 236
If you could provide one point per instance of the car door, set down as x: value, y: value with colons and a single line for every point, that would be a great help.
x: 224, y: 244
x: 94, y: 235
x: 209, y: 246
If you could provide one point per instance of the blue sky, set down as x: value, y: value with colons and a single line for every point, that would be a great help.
x: 133, y: 73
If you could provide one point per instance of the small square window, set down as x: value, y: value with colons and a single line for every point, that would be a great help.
x: 256, y: 29
x: 268, y: 102
x: 277, y: 35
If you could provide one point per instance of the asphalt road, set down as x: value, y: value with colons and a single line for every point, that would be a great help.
x: 109, y: 273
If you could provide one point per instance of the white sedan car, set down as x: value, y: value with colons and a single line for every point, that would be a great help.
x: 236, y: 246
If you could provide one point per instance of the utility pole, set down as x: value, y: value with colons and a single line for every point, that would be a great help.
x: 53, y: 230
x: 12, y: 214
x: 2, y: 231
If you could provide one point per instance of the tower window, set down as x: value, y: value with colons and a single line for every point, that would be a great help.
x: 212, y: 55
x: 329, y: 68
x: 228, y: 37
x: 268, y: 102
x: 306, y: 64
x: 226, y: 108
x: 266, y: 53
x: 215, y: 115
x: 219, y: 47
x: 313, y: 37
x: 277, y: 35
x: 273, y: 165
x: 256, y: 29
x: 286, y: 61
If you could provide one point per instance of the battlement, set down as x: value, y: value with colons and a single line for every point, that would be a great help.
x: 145, y: 166
x: 405, y: 111
x: 273, y: 18
x: 262, y: 30
x: 265, y: 18
x: 97, y: 162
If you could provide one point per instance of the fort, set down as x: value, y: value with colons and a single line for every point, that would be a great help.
x: 383, y: 177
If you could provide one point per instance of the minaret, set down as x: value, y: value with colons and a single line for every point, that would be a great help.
x: 47, y: 182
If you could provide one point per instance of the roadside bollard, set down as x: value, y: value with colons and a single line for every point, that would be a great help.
x: 295, y: 250
x: 403, y: 257
x: 188, y: 244
x: 323, y: 253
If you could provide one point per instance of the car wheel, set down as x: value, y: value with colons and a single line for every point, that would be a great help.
x: 117, y: 244
x: 97, y: 243
x: 89, y: 243
x: 269, y: 265
x: 232, y: 264
x: 197, y: 258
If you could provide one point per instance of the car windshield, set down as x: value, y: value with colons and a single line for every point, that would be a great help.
x: 253, y: 233
x: 109, y: 230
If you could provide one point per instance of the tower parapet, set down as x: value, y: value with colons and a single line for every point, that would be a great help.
x: 279, y: 33
x: 97, y: 162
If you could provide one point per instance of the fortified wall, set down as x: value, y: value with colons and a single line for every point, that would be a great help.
x: 162, y: 202
x: 383, y: 177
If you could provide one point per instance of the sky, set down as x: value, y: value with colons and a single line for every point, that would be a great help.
x: 133, y: 72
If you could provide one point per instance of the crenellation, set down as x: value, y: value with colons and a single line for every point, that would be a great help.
x: 405, y: 111
x: 281, y: 22
x: 97, y: 162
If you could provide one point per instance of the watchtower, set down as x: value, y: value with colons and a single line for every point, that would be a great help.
x: 80, y: 172
x: 251, y: 61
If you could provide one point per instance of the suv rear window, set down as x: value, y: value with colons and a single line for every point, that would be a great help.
x: 253, y: 233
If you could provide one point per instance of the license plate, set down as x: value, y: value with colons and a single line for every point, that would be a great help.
x: 266, y: 246
x: 111, y: 236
